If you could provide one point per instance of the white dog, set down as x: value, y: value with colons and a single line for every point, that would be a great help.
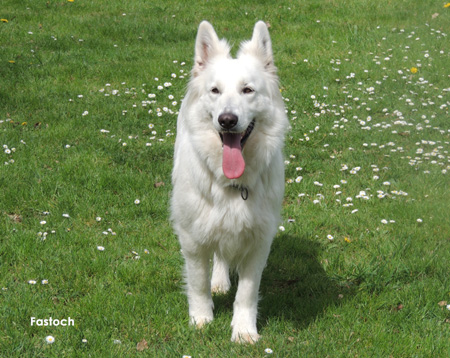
x: 228, y: 175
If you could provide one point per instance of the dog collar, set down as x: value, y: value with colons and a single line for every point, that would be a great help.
x: 243, y: 190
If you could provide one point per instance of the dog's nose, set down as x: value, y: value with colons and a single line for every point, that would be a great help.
x: 228, y: 120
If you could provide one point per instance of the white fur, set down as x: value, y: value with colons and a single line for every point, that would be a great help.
x: 209, y: 215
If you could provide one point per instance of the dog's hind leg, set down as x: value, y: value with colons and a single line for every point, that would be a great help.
x: 198, y: 288
x: 220, y: 281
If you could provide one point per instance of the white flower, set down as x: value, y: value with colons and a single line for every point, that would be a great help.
x: 330, y: 237
x: 98, y: 218
x: 384, y: 221
x: 85, y: 113
x: 268, y: 351
x: 281, y: 228
x: 50, y: 339
x: 419, y: 220
x: 298, y: 179
x: 43, y: 222
x: 44, y: 282
x: 100, y: 248
x: 32, y: 282
x: 66, y: 215
x: 137, y: 201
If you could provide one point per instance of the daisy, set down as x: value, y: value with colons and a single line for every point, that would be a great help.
x: 50, y: 339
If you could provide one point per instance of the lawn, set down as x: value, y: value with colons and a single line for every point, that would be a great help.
x: 89, y: 95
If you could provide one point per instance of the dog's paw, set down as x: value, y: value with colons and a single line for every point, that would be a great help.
x: 200, y: 322
x: 248, y: 338
x: 220, y: 288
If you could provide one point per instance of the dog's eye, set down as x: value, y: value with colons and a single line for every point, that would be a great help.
x: 248, y: 90
x: 215, y: 90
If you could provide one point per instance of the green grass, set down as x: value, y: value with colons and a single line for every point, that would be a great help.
x: 375, y: 290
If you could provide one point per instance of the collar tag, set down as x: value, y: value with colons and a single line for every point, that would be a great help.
x: 244, y: 193
x: 243, y: 190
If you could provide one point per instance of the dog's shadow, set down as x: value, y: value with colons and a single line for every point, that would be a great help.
x: 294, y: 287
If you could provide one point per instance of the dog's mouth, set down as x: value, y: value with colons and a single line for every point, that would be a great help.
x: 233, y: 163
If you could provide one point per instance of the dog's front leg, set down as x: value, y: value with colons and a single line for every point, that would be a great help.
x: 246, y: 302
x: 198, y: 289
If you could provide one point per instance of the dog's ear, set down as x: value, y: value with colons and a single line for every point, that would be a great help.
x: 260, y: 46
x: 207, y: 46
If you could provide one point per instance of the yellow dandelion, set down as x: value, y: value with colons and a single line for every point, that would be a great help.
x: 24, y: 123
x: 414, y: 70
x: 12, y: 61
x: 4, y: 20
x: 70, y: 0
x: 346, y: 239
x: 447, y: 5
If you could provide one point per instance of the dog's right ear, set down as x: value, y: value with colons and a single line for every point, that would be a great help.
x: 207, y: 46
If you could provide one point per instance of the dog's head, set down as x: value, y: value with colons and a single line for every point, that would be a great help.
x: 235, y: 93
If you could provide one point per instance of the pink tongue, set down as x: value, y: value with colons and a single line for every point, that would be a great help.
x: 233, y: 164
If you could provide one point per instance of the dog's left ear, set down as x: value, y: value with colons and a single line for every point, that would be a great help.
x: 260, y: 46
